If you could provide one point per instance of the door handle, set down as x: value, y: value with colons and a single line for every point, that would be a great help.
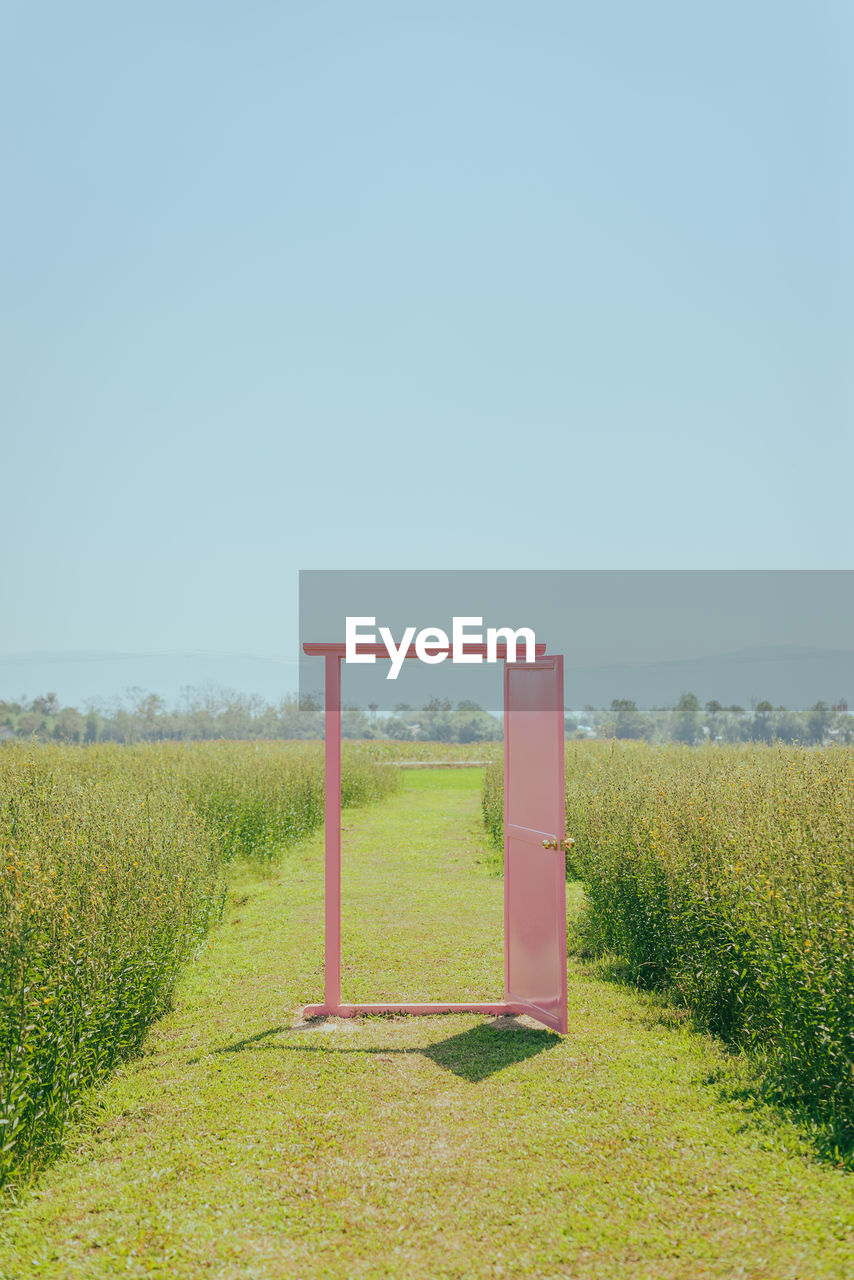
x: 559, y: 844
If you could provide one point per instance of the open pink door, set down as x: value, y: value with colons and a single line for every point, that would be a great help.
x: 534, y: 861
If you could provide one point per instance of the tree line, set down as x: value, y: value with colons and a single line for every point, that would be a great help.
x: 692, y: 723
x: 217, y: 713
x: 209, y: 713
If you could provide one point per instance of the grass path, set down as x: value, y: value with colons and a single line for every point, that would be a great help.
x: 241, y: 1145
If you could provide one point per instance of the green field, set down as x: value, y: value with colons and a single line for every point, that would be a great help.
x: 233, y: 1141
x: 726, y: 877
x: 114, y: 865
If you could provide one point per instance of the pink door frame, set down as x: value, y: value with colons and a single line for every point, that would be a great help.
x: 332, y: 1005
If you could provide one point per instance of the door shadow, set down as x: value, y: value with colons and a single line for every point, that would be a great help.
x: 480, y: 1052
x: 472, y: 1055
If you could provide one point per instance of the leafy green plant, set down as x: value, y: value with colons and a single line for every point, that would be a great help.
x: 112, y: 869
x: 727, y: 875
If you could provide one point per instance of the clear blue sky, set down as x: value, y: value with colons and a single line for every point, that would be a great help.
x: 368, y: 285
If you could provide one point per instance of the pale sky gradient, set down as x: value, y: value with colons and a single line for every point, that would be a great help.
x: 378, y: 285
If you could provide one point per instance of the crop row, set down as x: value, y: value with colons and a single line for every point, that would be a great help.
x: 727, y: 876
x: 113, y: 864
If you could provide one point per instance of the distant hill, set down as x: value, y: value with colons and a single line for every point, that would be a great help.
x: 77, y: 678
x: 784, y: 675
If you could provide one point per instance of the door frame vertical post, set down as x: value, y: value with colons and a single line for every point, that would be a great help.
x: 332, y: 931
x: 506, y: 744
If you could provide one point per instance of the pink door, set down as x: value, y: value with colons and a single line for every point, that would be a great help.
x: 534, y: 860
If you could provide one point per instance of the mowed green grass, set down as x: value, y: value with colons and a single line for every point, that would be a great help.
x: 409, y: 888
x: 242, y: 1144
